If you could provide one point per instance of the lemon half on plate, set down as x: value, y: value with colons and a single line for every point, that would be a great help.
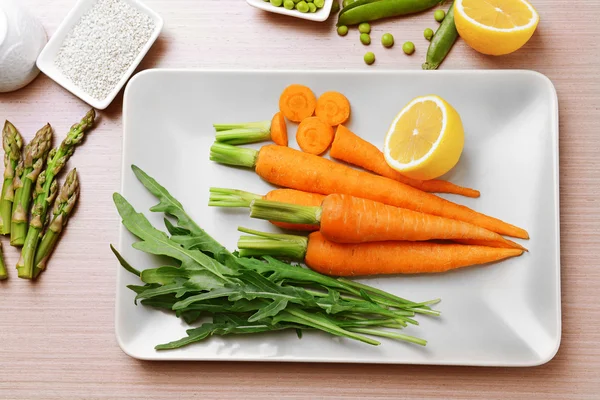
x: 495, y: 27
x: 426, y: 139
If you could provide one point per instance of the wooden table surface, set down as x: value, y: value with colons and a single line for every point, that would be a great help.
x: 57, y: 336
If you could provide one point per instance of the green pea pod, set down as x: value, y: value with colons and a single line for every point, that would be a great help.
x: 335, y: 7
x: 442, y: 41
x: 346, y: 3
x: 371, y: 10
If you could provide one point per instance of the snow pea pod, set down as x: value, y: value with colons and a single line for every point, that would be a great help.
x: 442, y: 41
x: 371, y: 10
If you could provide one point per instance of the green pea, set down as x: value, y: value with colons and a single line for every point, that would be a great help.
x: 342, y: 30
x: 320, y: 3
x: 277, y: 3
x: 309, y: 1
x: 428, y: 33
x: 408, y: 48
x: 439, y: 15
x: 369, y: 58
x: 365, y: 38
x: 289, y: 4
x: 387, y: 40
x: 364, y: 28
x: 312, y: 8
x: 302, y: 6
x: 296, y: 1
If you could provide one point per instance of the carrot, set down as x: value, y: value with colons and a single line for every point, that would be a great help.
x: 295, y: 197
x: 347, y: 219
x: 377, y: 258
x: 314, y: 136
x: 350, y: 148
x: 333, y: 108
x: 284, y: 166
x: 297, y: 102
x: 279, y: 130
x: 220, y: 197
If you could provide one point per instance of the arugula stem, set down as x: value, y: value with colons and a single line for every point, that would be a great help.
x: 324, y: 324
x: 391, y: 335
x: 284, y: 212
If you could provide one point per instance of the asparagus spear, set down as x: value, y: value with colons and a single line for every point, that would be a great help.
x: 63, y: 206
x: 30, y: 168
x: 12, y: 142
x: 3, y: 273
x: 44, y: 192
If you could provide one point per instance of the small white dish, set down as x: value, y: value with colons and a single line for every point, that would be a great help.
x: 46, y: 59
x: 319, y: 16
x: 503, y: 314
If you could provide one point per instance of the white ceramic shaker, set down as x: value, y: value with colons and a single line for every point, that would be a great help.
x: 22, y: 38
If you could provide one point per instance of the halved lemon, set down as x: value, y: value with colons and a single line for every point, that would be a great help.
x: 495, y: 27
x: 426, y: 139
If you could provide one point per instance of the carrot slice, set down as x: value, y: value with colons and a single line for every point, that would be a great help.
x: 279, y: 130
x: 314, y: 136
x: 333, y: 108
x: 297, y: 102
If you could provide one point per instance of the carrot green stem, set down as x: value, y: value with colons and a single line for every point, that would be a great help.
x: 391, y: 335
x: 249, y: 132
x: 284, y: 212
x: 242, y: 136
x: 264, y: 126
x: 231, y: 155
x: 220, y: 197
x: 272, y: 244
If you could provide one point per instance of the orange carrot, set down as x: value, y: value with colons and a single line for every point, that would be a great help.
x: 396, y: 257
x: 314, y: 136
x: 279, y: 130
x: 295, y: 197
x: 294, y: 169
x: 333, y: 108
x: 350, y: 148
x: 347, y: 219
x: 377, y: 258
x: 220, y: 197
x: 297, y: 102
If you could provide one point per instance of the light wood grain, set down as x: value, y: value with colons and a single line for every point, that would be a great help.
x: 57, y: 335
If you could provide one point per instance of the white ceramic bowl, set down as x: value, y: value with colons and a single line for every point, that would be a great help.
x: 46, y: 59
x: 320, y: 16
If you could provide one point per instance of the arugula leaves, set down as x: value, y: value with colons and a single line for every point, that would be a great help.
x: 248, y: 295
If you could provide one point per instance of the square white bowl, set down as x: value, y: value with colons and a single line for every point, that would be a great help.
x: 46, y: 59
x: 502, y: 314
x: 319, y: 16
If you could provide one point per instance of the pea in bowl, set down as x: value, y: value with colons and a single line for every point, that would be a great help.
x: 313, y: 10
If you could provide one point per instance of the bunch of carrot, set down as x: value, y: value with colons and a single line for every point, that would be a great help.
x: 377, y: 222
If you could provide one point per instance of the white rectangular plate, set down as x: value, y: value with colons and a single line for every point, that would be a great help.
x: 504, y: 314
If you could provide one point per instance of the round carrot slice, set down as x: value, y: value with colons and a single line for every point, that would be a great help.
x: 314, y: 136
x: 333, y: 108
x: 297, y: 102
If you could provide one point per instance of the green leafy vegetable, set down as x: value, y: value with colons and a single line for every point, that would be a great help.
x: 248, y: 295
